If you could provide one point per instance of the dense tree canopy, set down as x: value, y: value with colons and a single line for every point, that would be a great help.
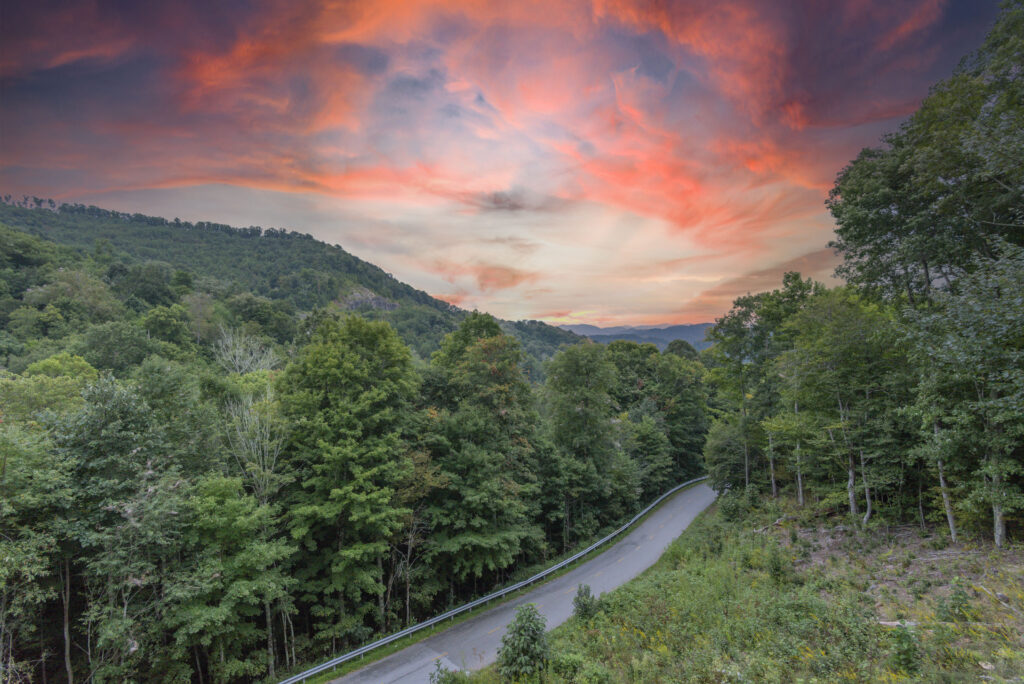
x: 263, y: 277
x: 900, y: 394
x: 948, y: 185
x: 199, y: 481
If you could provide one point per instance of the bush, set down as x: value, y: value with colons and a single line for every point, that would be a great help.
x: 596, y: 673
x: 584, y: 604
x: 735, y: 505
x: 906, y: 655
x: 567, y: 665
x: 442, y: 675
x: 957, y: 606
x: 524, y: 651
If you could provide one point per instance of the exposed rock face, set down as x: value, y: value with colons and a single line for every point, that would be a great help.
x: 362, y: 298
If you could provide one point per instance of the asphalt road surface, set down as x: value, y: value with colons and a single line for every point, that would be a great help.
x: 474, y: 643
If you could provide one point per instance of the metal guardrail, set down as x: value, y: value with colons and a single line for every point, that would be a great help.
x: 363, y: 650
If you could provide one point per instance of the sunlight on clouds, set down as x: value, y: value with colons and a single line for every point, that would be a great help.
x: 604, y: 160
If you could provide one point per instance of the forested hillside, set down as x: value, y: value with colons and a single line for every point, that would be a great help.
x: 201, y: 482
x: 294, y: 271
x: 691, y: 335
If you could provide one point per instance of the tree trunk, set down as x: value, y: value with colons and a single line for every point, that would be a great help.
x: 42, y: 655
x: 408, y: 583
x: 746, y: 463
x: 66, y: 577
x: 851, y: 480
x: 867, y: 489
x: 851, y: 484
x: 270, y: 638
x: 799, y: 473
x: 998, y: 524
x: 920, y: 505
x: 291, y: 631
x: 746, y: 448
x: 771, y: 467
x: 284, y: 640
x: 799, y: 478
x: 382, y: 597
x: 946, y: 504
x: 851, y: 468
x: 199, y: 665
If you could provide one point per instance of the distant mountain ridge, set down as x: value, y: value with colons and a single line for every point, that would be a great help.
x: 659, y: 336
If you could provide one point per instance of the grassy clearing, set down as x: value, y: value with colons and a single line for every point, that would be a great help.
x: 803, y: 601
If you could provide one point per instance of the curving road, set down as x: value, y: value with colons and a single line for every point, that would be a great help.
x: 474, y: 643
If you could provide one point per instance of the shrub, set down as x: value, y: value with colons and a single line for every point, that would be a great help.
x: 735, y: 505
x: 595, y: 673
x: 584, y: 604
x: 524, y: 651
x: 567, y: 665
x: 442, y: 675
x: 956, y: 606
x: 906, y: 655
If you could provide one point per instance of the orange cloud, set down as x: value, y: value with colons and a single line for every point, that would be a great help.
x: 489, y: 277
x: 453, y: 298
x: 716, y: 300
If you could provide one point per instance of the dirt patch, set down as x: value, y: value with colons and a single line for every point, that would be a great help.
x: 916, y: 575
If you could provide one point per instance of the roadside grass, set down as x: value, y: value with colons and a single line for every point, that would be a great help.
x: 774, y: 594
x: 394, y: 647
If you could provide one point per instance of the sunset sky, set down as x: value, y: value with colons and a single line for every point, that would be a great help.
x: 602, y: 161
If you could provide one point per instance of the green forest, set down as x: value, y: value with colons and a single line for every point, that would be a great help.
x: 901, y: 394
x: 267, y: 278
x: 226, y: 454
x: 213, y: 469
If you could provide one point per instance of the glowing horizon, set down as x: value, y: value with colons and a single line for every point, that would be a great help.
x: 607, y: 161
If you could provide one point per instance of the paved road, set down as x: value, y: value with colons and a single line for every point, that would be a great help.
x: 474, y: 643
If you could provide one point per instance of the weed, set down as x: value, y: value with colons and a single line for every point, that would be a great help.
x: 906, y: 650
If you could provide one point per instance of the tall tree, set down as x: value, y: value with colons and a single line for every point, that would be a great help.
x: 346, y: 395
x: 483, y: 519
x: 972, y: 342
x: 911, y: 216
x: 583, y: 427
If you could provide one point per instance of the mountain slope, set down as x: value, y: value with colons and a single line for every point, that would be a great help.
x: 273, y: 263
x: 660, y: 336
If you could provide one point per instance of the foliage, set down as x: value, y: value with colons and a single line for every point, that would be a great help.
x: 584, y: 604
x: 524, y: 652
x: 260, y: 277
x: 948, y: 185
x: 728, y: 603
x: 224, y: 452
x: 710, y: 606
x: 345, y: 395
x: 904, y: 386
x: 204, y: 481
